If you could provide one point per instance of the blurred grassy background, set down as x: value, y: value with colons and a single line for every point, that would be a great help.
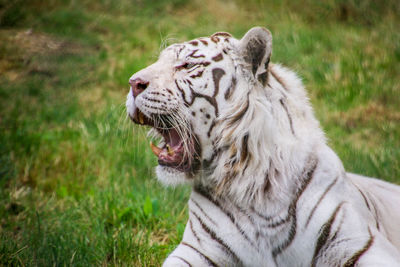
x: 76, y: 178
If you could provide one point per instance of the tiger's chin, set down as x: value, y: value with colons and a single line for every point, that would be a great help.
x: 169, y: 176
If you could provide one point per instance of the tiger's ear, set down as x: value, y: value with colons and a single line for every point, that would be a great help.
x: 255, y: 47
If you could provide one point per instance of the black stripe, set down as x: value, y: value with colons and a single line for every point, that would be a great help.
x: 214, y: 236
x: 336, y: 233
x: 324, y: 234
x: 194, y: 233
x: 187, y: 81
x: 207, y: 162
x: 181, y: 90
x: 192, y: 55
x: 272, y: 221
x: 199, y: 74
x: 376, y: 213
x: 279, y: 222
x: 291, y: 234
x: 267, y: 218
x: 364, y: 197
x: 214, y: 38
x: 226, y: 34
x: 202, y: 211
x: 204, y: 42
x: 320, y: 200
x: 211, y: 127
x: 288, y: 114
x: 245, y: 148
x: 278, y: 79
x: 267, y: 184
x: 182, y: 259
x: 194, y: 68
x: 202, y: 192
x: 353, y: 260
x: 181, y: 47
x: 218, y: 57
x: 251, y: 219
x: 217, y: 74
x: 238, y: 116
x: 263, y: 77
x: 207, y: 259
x: 210, y: 99
x: 168, y: 90
x: 204, y: 63
x: 306, y: 178
x: 266, y: 64
x: 304, y: 185
x: 231, y: 88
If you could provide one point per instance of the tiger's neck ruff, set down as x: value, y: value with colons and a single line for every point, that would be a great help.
x: 242, y: 131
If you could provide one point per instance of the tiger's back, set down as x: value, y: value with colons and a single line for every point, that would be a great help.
x: 383, y: 200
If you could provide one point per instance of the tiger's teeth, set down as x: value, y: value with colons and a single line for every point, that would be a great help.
x: 141, y: 119
x: 156, y: 150
x: 170, y: 151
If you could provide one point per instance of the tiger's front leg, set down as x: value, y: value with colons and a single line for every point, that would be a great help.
x: 191, y: 252
x: 189, y: 255
x: 198, y: 249
x: 211, y: 238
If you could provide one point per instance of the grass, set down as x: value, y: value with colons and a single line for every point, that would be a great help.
x: 77, y: 185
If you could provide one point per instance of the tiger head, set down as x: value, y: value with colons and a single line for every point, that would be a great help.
x: 201, y: 97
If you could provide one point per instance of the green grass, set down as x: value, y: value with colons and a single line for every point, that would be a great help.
x: 77, y: 185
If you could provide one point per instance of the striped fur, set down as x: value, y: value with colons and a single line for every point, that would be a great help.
x: 268, y: 191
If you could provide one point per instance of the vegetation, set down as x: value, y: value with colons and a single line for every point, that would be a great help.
x: 76, y: 177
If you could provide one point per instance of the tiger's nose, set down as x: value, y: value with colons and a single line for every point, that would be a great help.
x: 138, y: 86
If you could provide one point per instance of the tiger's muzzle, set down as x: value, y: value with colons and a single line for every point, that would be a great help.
x: 177, y: 151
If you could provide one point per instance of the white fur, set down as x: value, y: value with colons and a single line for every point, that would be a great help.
x: 169, y: 176
x: 234, y: 218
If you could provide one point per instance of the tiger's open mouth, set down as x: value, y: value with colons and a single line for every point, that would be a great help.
x: 176, y: 153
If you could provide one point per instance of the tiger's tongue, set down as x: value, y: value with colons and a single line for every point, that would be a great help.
x: 169, y: 156
x: 172, y: 150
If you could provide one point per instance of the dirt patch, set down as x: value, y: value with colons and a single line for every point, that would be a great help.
x: 18, y: 47
x: 39, y: 43
x: 367, y: 125
x: 363, y: 115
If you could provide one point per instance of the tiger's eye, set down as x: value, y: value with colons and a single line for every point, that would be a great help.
x: 189, y: 65
x: 186, y: 65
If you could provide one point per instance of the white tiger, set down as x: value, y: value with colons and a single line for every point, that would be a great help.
x: 267, y: 190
